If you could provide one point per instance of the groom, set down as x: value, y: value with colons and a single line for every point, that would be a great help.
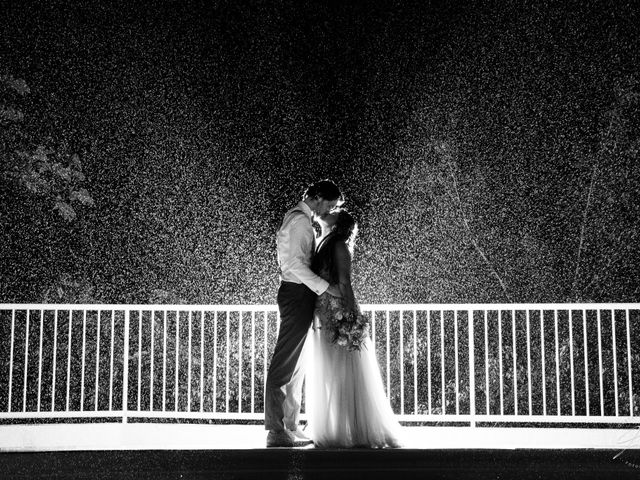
x: 297, y: 294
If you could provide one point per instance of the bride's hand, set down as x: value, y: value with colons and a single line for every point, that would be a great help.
x: 334, y: 290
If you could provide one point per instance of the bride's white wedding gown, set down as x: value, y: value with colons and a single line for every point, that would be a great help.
x: 345, y: 400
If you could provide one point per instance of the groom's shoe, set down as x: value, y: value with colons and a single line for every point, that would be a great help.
x: 280, y: 439
x: 300, y: 438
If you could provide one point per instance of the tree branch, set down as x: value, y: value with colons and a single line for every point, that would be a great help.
x: 472, y: 238
x: 582, y: 229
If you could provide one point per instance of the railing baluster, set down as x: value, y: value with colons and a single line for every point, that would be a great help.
x: 442, y: 361
x: 544, y: 376
x: 227, y: 367
x: 600, y: 364
x: 165, y: 334
x: 615, y: 360
x: 84, y: 351
x: 55, y: 360
x: 153, y: 356
x: 472, y: 368
x: 125, y: 366
x: 558, y: 406
x: 189, y: 363
x: 215, y: 361
x: 486, y: 363
x: 13, y: 334
x: 529, y: 361
x: 26, y: 364
x: 500, y: 360
x: 401, y: 321
x: 455, y: 336
x: 573, y: 388
x: 139, y: 358
x: 515, y: 361
x: 429, y: 402
x: 202, y: 360
x: 373, y: 329
x: 631, y: 407
x: 69, y: 361
x: 586, y: 359
x: 97, y: 382
x: 240, y: 361
x: 40, y: 361
x: 177, y: 379
x: 113, y: 327
x: 264, y: 356
x: 253, y: 359
x: 415, y: 364
x: 388, y: 360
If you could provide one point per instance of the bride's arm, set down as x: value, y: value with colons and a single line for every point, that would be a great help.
x: 343, y: 264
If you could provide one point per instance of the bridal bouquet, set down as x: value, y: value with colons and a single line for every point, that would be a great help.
x: 349, y: 329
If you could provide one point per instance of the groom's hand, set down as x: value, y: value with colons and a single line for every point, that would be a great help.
x: 334, y: 291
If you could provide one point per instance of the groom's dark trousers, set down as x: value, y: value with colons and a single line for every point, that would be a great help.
x: 296, y: 303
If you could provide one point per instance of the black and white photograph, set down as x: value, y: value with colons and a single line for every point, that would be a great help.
x: 344, y: 239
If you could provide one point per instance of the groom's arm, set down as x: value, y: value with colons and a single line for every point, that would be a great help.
x: 301, y: 245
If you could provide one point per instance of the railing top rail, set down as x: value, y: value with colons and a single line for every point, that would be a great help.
x: 503, y: 306
x: 366, y: 306
x: 134, y: 307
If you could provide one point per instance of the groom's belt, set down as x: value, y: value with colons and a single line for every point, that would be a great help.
x: 287, y: 283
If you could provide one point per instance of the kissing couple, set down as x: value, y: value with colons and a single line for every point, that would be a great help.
x: 321, y: 321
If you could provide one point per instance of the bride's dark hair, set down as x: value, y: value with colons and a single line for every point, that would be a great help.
x: 346, y: 230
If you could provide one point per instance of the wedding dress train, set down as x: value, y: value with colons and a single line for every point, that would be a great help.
x: 345, y: 400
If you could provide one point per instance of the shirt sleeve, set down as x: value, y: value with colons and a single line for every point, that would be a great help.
x: 301, y: 247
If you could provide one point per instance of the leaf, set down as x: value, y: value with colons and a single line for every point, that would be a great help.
x: 34, y: 183
x: 18, y: 84
x: 11, y: 114
x: 75, y: 161
x: 82, y: 196
x: 77, y: 175
x: 63, y: 172
x: 41, y: 154
x: 67, y: 212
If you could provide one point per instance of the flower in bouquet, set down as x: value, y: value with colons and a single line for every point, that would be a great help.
x: 350, y: 330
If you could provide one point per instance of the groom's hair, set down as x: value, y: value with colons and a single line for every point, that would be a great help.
x: 325, y: 189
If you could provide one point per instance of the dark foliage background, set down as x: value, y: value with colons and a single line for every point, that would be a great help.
x: 489, y: 150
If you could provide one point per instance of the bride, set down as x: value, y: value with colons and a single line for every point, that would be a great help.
x: 346, y: 402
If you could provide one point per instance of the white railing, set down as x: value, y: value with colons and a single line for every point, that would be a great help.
x: 474, y: 365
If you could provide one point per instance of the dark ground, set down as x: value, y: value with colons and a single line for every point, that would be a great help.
x: 334, y: 464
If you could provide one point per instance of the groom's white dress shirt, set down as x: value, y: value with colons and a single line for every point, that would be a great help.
x: 295, y: 244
